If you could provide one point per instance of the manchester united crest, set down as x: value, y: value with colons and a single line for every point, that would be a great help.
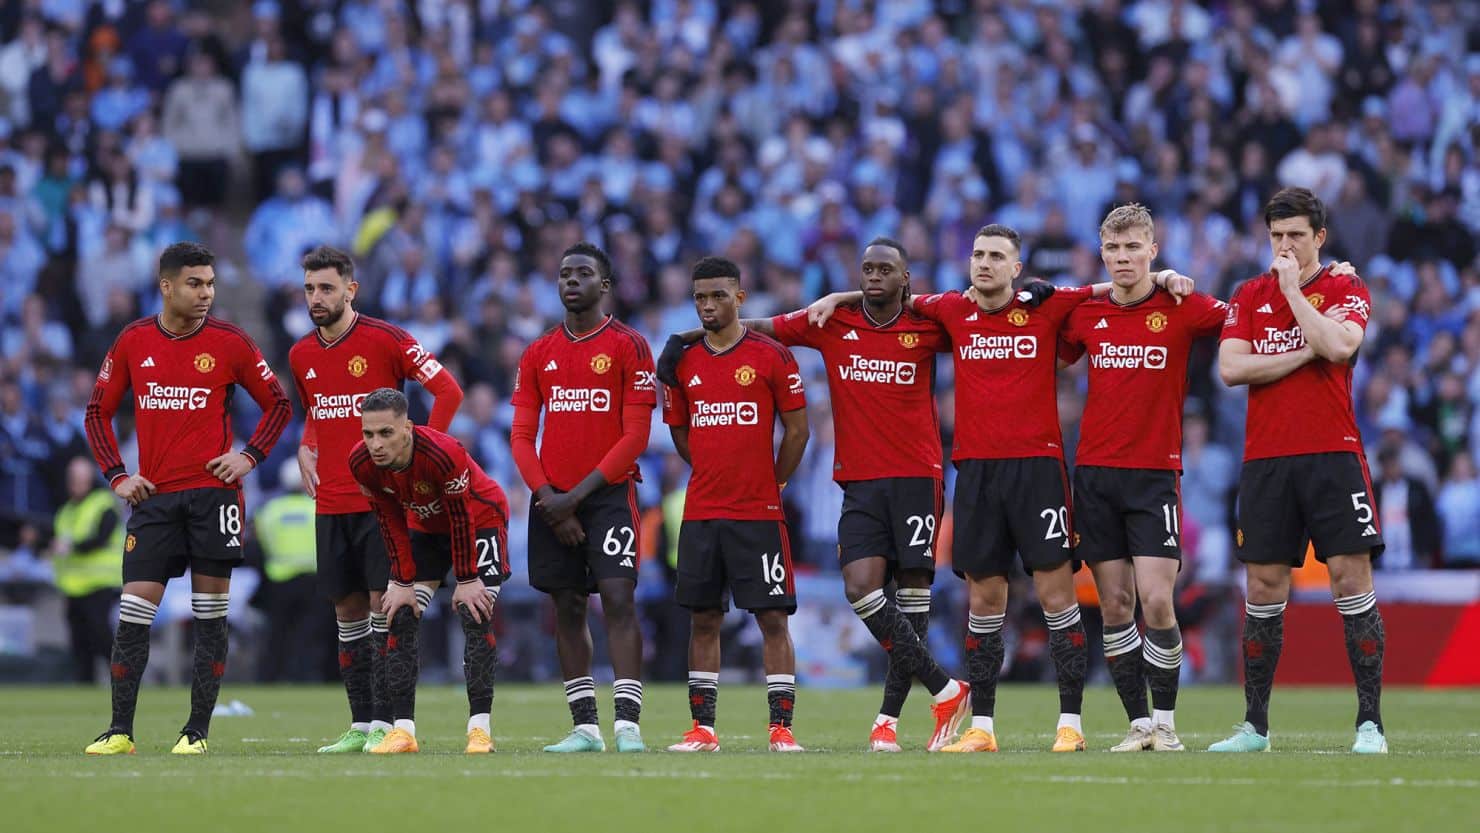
x: 422, y: 487
x: 129, y: 543
x: 357, y: 366
x: 1156, y: 322
x: 1316, y: 299
x: 745, y: 374
x: 601, y: 363
x: 909, y: 340
x: 1018, y: 317
x: 205, y: 362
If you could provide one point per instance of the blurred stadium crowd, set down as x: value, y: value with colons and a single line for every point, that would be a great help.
x: 457, y: 146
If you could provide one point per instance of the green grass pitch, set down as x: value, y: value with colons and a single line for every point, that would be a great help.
x: 262, y: 773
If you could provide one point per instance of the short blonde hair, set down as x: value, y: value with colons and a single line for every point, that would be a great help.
x: 1126, y: 217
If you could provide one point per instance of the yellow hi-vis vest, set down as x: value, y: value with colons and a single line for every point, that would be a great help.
x: 285, y: 528
x: 79, y: 573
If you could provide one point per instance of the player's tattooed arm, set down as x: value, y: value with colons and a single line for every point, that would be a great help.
x: 794, y: 436
x: 1238, y: 364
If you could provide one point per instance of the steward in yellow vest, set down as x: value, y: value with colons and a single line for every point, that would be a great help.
x: 87, y: 545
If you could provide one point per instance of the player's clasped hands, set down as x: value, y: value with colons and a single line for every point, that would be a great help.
x: 471, y: 596
x: 135, y: 489
x: 230, y: 467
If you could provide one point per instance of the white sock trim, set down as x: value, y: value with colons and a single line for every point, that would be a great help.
x: 380, y: 623
x: 913, y: 599
x: 136, y: 610
x: 1358, y: 604
x: 1066, y: 618
x: 478, y: 721
x: 350, y: 631
x: 579, y: 688
x: 380, y: 725
x: 990, y: 623
x: 1268, y: 611
x: 627, y: 690
x: 1168, y: 658
x: 1122, y: 642
x: 424, y: 596
x: 701, y: 677
x: 209, y: 605
x: 406, y: 724
x: 1071, y: 720
x: 983, y: 722
x: 1164, y: 717
x: 870, y: 604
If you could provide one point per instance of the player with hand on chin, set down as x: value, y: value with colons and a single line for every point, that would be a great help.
x: 1292, y: 336
x: 182, y: 367
x: 462, y: 520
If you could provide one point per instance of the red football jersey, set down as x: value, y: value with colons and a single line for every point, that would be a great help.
x: 447, y: 492
x: 182, y: 386
x: 729, y: 401
x: 1006, y: 359
x: 881, y: 377
x: 1309, y: 411
x: 583, y: 384
x: 333, y: 377
x: 1138, y: 357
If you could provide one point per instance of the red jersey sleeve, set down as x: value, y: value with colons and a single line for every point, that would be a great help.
x: 785, y: 380
x: 936, y: 307
x: 1206, y: 314
x: 1065, y: 299
x: 418, y: 363
x: 254, y: 374
x: 639, y: 397
x: 1354, y: 300
x: 388, y: 512
x: 455, y: 476
x: 1071, y: 340
x: 108, y: 391
x: 675, y: 406
x: 527, y: 403
x: 1238, y: 320
x: 793, y: 330
x: 310, y: 438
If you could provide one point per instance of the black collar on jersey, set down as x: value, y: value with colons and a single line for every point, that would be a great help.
x: 1128, y: 304
x: 326, y: 344
x: 863, y: 308
x: 159, y: 322
x: 573, y: 337
x: 1010, y: 299
x: 704, y: 340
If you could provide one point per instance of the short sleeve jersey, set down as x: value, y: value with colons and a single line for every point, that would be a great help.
x: 729, y: 401
x: 1309, y: 411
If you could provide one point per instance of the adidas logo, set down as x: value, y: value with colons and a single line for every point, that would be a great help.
x: 1370, y: 530
x: 971, y: 317
x: 149, y: 362
x: 928, y: 554
x: 627, y: 562
x: 851, y: 336
x: 234, y: 542
x: 694, y: 382
x: 1171, y: 541
x: 777, y: 591
x: 551, y: 366
x: 311, y: 374
x: 1103, y: 325
x: 1265, y: 309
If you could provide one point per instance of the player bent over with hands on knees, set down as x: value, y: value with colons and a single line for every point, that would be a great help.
x: 734, y: 385
x: 880, y: 361
x: 458, y: 520
x: 347, y: 356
